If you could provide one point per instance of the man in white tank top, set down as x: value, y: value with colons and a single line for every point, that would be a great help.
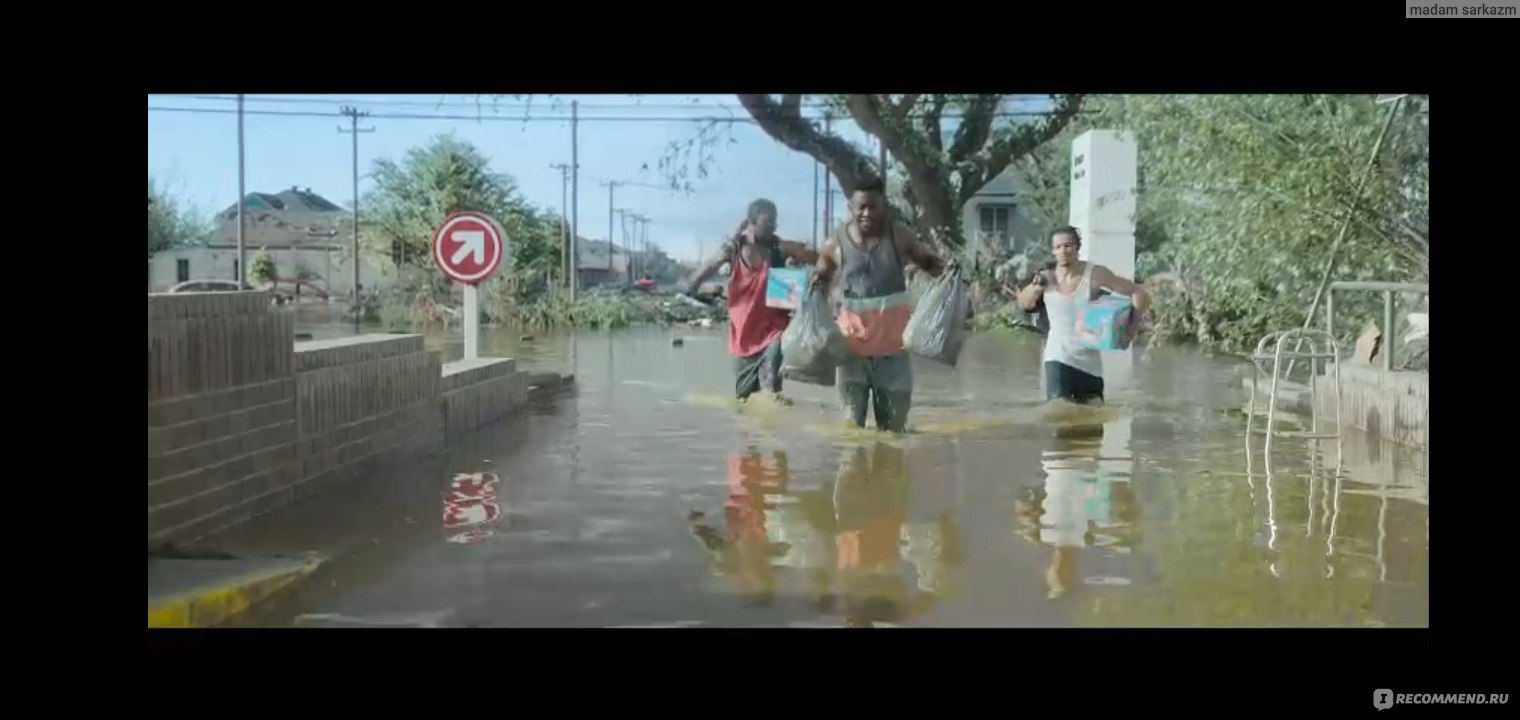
x: 1073, y: 372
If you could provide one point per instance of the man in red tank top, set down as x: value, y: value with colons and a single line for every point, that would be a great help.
x: 754, y: 330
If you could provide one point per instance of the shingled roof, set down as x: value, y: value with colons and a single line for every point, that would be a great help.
x: 293, y: 200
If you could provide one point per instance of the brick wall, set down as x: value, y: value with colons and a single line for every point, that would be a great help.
x: 221, y: 411
x: 242, y: 420
x: 360, y: 401
x: 478, y: 392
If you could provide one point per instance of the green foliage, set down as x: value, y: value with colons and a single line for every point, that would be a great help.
x: 595, y: 310
x: 170, y: 224
x: 261, y: 271
x: 414, y: 196
x: 1242, y: 196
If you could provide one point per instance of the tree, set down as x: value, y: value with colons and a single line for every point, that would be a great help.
x: 946, y: 146
x: 261, y: 272
x: 411, y: 198
x: 170, y: 224
x: 942, y: 167
x: 1241, y: 198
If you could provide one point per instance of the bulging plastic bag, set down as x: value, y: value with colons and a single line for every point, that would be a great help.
x: 812, y: 346
x: 938, y: 327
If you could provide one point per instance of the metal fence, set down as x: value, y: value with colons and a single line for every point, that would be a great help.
x: 1387, y: 289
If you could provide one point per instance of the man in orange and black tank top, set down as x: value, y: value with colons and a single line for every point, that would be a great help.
x: 754, y: 329
x: 869, y: 254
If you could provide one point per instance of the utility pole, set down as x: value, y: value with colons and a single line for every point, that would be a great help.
x: 564, y: 222
x: 644, y: 242
x: 242, y: 264
x: 815, y: 205
x: 623, y: 215
x: 353, y: 115
x: 575, y: 194
x: 640, y: 262
x: 828, y: 182
x: 611, y: 186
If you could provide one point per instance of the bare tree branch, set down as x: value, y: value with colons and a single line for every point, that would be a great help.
x: 838, y: 156
x: 1018, y: 141
x: 930, y: 123
x: 975, y: 127
x: 925, y: 168
x: 867, y: 111
x: 905, y: 105
x: 791, y: 106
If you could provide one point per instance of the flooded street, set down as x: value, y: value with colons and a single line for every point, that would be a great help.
x: 647, y: 497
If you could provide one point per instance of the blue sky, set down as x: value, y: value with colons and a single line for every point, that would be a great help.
x: 195, y: 155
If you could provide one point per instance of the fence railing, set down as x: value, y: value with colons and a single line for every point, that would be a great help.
x: 1387, y: 289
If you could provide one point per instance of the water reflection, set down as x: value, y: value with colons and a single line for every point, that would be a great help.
x: 1086, y: 501
x: 636, y: 502
x: 871, y: 501
x: 875, y: 544
x: 744, y: 550
x: 470, y: 506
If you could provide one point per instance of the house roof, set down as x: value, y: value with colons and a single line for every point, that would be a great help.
x: 293, y: 200
x: 593, y: 254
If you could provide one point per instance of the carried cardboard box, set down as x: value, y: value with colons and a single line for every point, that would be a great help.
x: 1103, y: 324
x: 785, y: 287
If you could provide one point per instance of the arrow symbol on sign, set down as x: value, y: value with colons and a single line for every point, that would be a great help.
x: 471, y: 242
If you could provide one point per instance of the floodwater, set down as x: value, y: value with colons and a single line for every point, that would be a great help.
x: 646, y: 497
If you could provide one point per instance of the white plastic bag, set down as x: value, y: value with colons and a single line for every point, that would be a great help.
x: 937, y: 329
x: 812, y: 346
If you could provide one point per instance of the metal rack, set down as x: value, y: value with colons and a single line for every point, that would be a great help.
x: 1311, y: 345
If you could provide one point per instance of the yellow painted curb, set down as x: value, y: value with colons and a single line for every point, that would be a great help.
x: 214, y: 604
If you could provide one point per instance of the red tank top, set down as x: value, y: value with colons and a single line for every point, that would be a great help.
x: 751, y: 325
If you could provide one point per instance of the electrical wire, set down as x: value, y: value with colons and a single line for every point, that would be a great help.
x: 529, y: 118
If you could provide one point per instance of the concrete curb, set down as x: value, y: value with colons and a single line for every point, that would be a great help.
x: 207, y: 593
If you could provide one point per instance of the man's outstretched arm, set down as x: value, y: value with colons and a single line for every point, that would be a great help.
x: 710, y: 268
x: 920, y: 255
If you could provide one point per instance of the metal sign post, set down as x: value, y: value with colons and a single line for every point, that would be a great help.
x: 468, y: 248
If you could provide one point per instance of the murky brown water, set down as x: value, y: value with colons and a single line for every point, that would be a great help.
x: 647, y: 498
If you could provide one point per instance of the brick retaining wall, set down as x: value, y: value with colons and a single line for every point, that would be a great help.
x: 242, y: 420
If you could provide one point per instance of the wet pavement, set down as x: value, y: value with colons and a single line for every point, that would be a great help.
x: 646, y: 497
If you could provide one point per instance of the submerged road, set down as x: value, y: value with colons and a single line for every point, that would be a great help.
x: 645, y: 497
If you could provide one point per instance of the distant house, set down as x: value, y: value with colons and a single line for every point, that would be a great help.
x: 291, y: 218
x: 301, y: 230
x: 996, y: 223
x: 594, y: 269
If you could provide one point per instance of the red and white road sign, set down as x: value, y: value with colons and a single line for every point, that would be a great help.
x: 468, y: 247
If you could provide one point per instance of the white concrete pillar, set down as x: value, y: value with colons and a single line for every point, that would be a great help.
x: 1104, y: 180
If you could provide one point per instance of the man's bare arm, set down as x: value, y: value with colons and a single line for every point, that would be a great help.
x: 1103, y: 277
x: 1029, y: 297
x: 827, y: 263
x: 799, y: 252
x: 710, y: 268
x: 918, y: 254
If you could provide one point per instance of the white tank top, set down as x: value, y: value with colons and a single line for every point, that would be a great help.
x: 1061, y: 310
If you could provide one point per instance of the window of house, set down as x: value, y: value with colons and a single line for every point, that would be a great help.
x: 237, y: 272
x: 181, y: 270
x: 995, y: 219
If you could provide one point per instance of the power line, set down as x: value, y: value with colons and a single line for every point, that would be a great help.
x: 541, y: 118
x: 497, y: 105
